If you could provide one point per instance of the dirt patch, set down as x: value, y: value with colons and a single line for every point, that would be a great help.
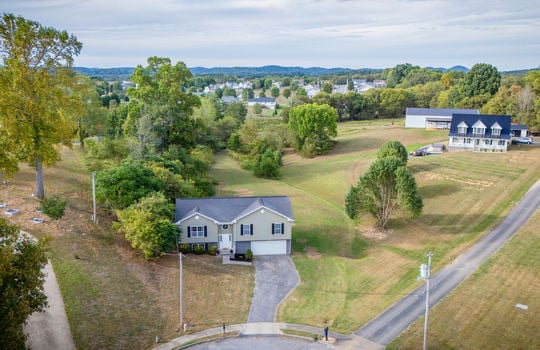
x: 376, y: 233
x: 312, y: 253
x: 479, y: 184
x: 243, y: 192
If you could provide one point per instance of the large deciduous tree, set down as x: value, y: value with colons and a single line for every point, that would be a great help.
x: 21, y: 283
x: 313, y: 127
x: 37, y: 103
x: 482, y: 79
x: 165, y: 110
x: 387, y: 186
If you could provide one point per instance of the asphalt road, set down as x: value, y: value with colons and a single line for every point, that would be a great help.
x: 398, y: 317
x: 275, y: 278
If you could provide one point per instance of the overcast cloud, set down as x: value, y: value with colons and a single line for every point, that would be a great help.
x: 324, y: 33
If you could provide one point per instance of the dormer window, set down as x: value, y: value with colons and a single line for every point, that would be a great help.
x: 479, y: 128
x: 462, y: 128
x: 496, y: 129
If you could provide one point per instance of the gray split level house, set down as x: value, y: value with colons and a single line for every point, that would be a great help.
x: 236, y: 224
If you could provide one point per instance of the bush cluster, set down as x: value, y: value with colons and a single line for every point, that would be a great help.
x: 54, y: 206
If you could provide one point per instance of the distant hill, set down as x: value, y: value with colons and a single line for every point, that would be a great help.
x: 123, y: 73
x: 454, y: 68
x: 267, y: 70
x: 120, y: 73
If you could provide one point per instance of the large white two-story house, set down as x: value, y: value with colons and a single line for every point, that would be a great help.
x: 480, y: 132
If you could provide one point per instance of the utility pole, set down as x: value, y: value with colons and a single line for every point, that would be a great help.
x: 425, y: 273
x: 181, y: 288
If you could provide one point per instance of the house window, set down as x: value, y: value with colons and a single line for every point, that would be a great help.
x: 197, y: 231
x: 502, y: 142
x: 278, y: 229
x: 468, y: 140
x: 479, y: 131
x: 246, y: 230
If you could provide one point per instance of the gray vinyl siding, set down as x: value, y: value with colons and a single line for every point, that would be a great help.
x: 262, y: 226
x: 211, y: 230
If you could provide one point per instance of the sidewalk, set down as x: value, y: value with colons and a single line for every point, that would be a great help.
x: 49, y: 330
x: 339, y: 341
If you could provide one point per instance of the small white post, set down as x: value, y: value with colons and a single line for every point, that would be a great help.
x: 94, y: 217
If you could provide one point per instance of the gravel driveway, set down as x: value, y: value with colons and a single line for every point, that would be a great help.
x: 275, y: 278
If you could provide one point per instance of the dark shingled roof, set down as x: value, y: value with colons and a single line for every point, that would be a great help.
x: 229, y: 209
x: 442, y: 112
x: 488, y: 120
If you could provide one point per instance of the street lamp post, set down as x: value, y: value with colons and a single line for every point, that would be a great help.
x: 425, y: 273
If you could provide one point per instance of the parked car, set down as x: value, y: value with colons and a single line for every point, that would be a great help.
x: 525, y: 140
x: 422, y: 151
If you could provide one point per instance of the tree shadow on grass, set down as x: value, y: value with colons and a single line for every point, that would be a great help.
x: 450, y: 224
x: 421, y: 167
x: 437, y: 190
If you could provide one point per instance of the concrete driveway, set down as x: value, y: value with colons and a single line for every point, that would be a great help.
x: 275, y: 278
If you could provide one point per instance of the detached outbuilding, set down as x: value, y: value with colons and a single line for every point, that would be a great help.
x: 433, y: 118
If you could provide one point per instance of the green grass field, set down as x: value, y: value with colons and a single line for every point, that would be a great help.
x: 350, y: 271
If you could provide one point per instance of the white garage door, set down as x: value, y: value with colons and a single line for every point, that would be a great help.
x: 269, y: 247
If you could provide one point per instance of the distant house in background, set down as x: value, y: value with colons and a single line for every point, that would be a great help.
x: 229, y: 99
x: 480, y: 133
x: 262, y: 224
x: 362, y: 85
x: 433, y: 118
x: 126, y: 84
x: 267, y: 102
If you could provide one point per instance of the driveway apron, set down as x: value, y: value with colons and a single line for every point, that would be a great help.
x: 275, y: 278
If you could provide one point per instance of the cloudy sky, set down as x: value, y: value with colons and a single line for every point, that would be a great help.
x: 323, y: 33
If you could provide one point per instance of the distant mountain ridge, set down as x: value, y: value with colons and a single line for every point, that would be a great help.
x: 271, y: 70
x: 454, y: 69
x: 123, y: 73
